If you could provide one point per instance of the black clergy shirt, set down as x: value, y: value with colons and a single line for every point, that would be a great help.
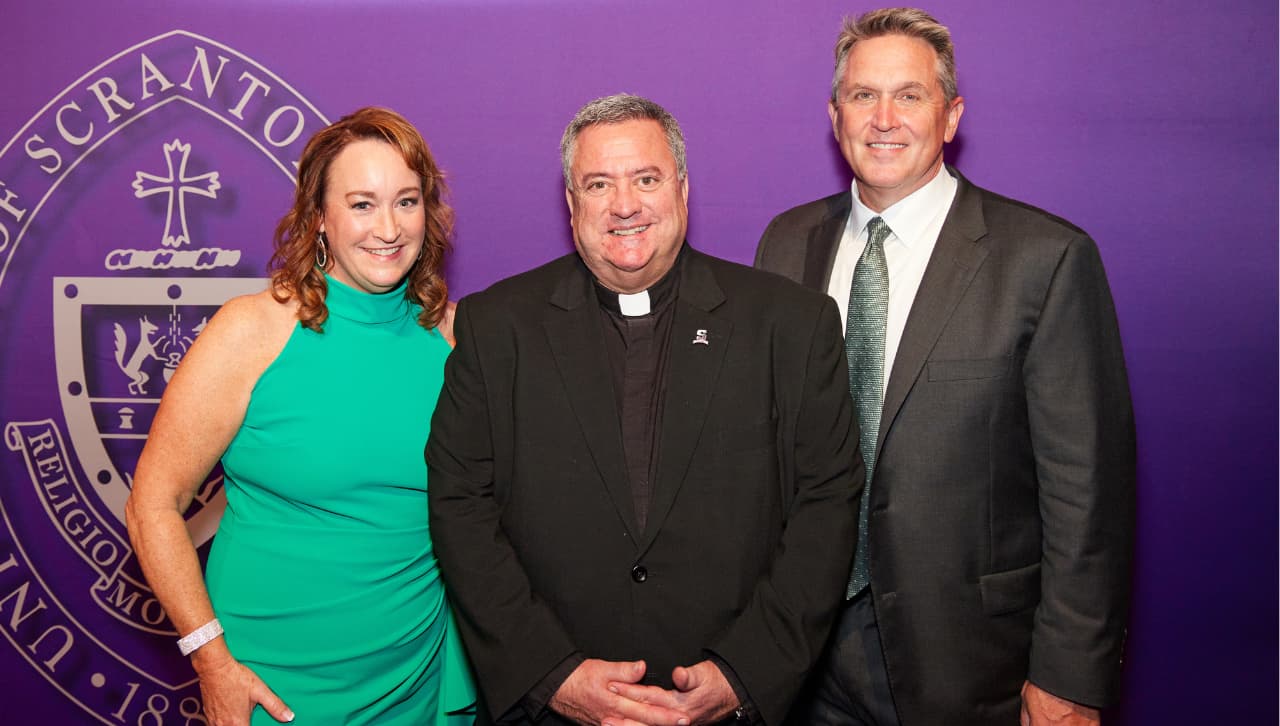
x: 638, y: 347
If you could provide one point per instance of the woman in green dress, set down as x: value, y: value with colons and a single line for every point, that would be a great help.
x: 321, y: 602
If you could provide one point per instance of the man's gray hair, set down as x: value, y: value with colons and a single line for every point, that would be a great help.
x: 617, y: 109
x: 911, y: 22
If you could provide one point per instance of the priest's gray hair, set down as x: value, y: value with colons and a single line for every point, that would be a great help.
x: 616, y: 109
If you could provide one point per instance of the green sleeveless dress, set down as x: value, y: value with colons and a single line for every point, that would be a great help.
x: 322, y: 572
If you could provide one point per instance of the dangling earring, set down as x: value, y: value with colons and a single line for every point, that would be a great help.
x: 322, y: 253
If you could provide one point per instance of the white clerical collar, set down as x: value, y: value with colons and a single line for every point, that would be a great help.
x: 910, y: 216
x: 634, y: 304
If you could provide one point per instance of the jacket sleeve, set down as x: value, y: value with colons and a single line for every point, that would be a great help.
x: 1081, y: 425
x: 513, y: 637
x: 778, y: 637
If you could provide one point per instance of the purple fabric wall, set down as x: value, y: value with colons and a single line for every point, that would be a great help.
x: 1152, y: 125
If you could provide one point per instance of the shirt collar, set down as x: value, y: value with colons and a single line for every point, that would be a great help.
x: 909, y: 218
x: 659, y: 293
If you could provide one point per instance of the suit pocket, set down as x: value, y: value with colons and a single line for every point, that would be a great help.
x: 968, y: 369
x: 1011, y: 590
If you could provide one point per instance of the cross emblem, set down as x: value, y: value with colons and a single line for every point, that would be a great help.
x: 177, y: 185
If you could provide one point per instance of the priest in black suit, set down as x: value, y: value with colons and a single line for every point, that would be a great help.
x: 643, y: 465
x: 992, y: 580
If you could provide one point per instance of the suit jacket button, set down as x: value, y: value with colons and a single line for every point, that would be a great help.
x: 639, y: 573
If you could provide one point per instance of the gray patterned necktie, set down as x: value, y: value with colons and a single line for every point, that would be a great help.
x: 864, y: 346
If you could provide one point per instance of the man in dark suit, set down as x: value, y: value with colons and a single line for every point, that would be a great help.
x: 643, y: 464
x: 992, y: 582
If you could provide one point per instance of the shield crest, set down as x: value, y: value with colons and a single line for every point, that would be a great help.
x: 117, y: 342
x: 130, y: 230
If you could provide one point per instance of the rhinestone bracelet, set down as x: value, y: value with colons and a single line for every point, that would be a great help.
x: 198, y: 637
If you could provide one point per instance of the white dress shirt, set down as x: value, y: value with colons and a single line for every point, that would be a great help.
x: 914, y: 222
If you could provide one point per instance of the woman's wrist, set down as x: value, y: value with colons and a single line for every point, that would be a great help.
x: 201, y: 636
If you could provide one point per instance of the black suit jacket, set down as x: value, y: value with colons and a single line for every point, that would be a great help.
x: 750, y: 529
x: 1002, y: 506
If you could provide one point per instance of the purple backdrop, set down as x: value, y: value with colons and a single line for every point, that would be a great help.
x: 1153, y: 125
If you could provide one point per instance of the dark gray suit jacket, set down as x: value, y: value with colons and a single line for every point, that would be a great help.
x: 749, y: 535
x: 1002, y: 506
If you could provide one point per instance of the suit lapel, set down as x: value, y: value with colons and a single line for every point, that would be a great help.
x: 820, y: 253
x: 578, y: 346
x: 952, y: 267
x: 691, y: 381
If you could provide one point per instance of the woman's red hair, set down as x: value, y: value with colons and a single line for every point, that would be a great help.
x: 294, y: 273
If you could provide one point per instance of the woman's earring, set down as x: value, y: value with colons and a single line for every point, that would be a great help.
x: 322, y: 252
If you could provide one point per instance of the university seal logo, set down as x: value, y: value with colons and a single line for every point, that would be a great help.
x: 135, y: 203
